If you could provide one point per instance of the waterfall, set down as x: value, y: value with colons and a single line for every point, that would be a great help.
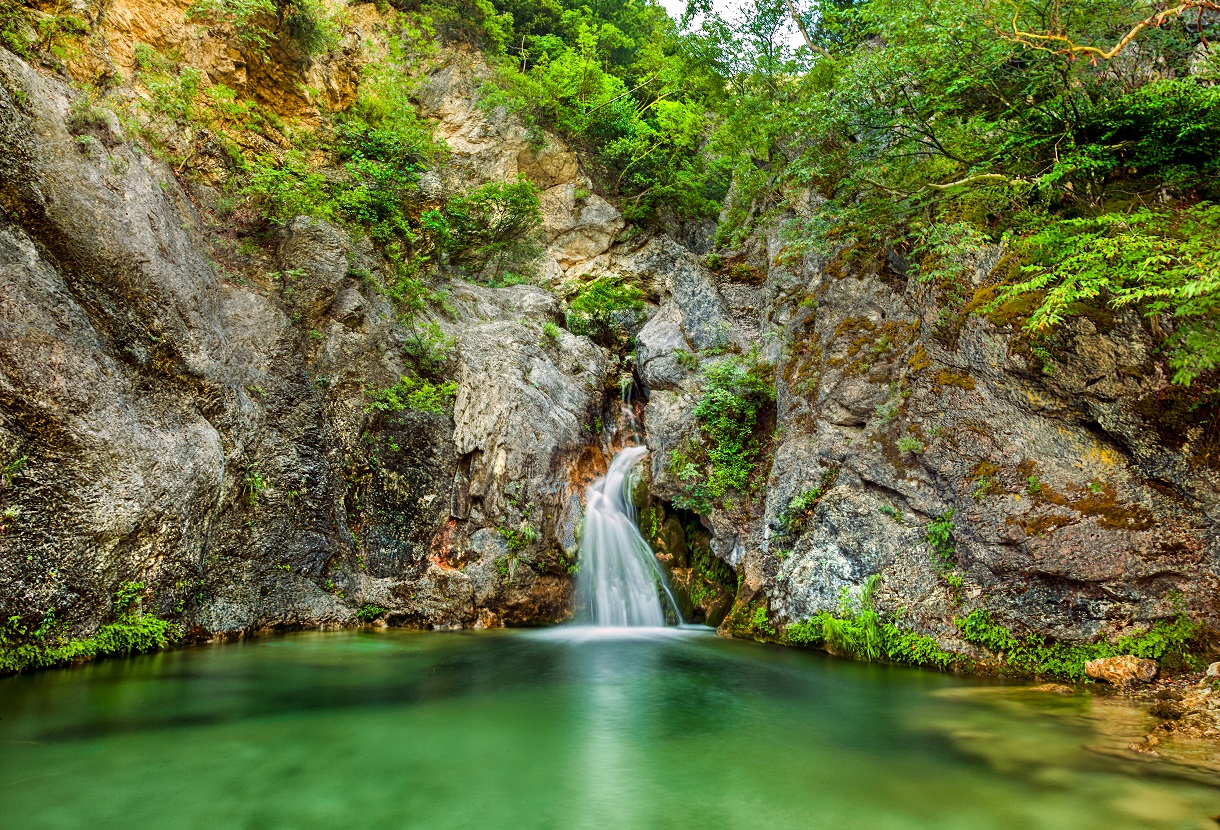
x: 619, y: 575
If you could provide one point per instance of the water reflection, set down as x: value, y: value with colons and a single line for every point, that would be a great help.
x: 562, y: 729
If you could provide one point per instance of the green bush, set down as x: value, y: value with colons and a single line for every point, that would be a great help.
x: 247, y: 17
x: 428, y: 347
x: 493, y: 229
x: 413, y: 393
x: 369, y: 612
x: 606, y: 310
x: 860, y: 630
x: 1157, y: 261
x: 736, y: 395
x: 939, y: 536
x: 290, y: 189
x: 310, y: 26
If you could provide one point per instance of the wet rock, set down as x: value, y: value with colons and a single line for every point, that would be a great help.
x: 1125, y: 670
x: 1053, y: 689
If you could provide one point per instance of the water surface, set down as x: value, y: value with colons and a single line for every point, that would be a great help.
x: 561, y: 729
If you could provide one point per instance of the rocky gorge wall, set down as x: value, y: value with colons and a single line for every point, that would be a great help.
x: 204, y: 428
x: 207, y: 433
x: 1081, y: 502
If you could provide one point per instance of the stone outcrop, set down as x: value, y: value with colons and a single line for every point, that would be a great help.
x: 1124, y: 670
x: 212, y: 439
x: 1072, y: 514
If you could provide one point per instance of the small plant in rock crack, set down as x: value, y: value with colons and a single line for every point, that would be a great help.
x: 893, y: 512
x: 9, y: 517
x: 1033, y: 486
x: 909, y: 443
x: 956, y: 582
x: 519, y: 539
x: 800, y: 509
x: 550, y: 333
x: 253, y: 484
x: 984, y: 487
x: 939, y: 535
x: 10, y: 470
x: 687, y: 360
x: 370, y: 612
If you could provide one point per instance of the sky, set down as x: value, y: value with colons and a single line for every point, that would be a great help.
x: 727, y: 8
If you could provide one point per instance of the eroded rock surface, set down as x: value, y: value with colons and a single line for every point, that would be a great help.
x: 1072, y: 515
x: 1124, y: 670
x: 213, y: 440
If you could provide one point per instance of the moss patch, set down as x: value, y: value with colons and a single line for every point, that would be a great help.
x: 948, y: 377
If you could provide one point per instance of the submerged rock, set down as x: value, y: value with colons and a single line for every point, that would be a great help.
x: 1054, y: 689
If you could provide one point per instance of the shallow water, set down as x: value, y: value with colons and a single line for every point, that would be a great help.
x: 561, y: 728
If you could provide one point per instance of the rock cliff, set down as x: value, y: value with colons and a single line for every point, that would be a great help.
x: 209, y: 434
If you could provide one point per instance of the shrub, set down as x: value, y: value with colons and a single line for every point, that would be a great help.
x: 1160, y: 262
x: 415, y: 394
x: 369, y: 612
x: 243, y: 15
x: 736, y: 395
x: 860, y: 630
x: 310, y: 26
x: 290, y: 190
x: 429, y: 347
x: 606, y: 309
x: 1037, y: 655
x: 494, y: 228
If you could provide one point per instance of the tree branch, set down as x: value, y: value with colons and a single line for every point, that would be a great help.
x: 996, y: 178
x: 800, y: 24
x: 1042, y: 41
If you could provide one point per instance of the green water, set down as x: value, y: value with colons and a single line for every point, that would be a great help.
x: 395, y: 729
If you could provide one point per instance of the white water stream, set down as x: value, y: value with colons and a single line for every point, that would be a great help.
x: 621, y: 583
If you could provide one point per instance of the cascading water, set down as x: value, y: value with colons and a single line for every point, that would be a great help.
x: 619, y: 575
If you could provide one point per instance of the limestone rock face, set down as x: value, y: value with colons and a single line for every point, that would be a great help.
x: 213, y: 439
x: 577, y: 230
x: 1124, y: 670
x: 216, y: 440
x: 486, y: 145
x: 1072, y: 516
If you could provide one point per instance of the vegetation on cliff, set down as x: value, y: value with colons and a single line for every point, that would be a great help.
x: 132, y: 631
x: 1035, y: 142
